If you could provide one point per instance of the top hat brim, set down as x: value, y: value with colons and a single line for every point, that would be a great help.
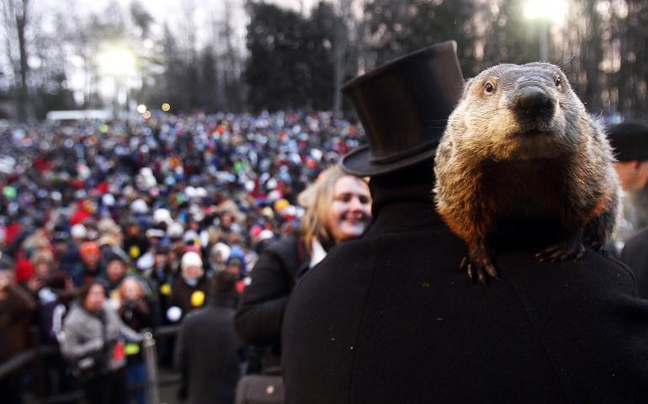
x: 396, y: 104
x: 358, y: 162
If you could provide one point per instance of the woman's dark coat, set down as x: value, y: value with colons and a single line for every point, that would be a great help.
x: 391, y: 319
x: 263, y: 303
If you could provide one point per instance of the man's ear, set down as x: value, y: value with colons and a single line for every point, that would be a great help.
x: 638, y: 165
x: 640, y: 169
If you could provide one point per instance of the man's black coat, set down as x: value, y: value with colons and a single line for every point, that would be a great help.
x: 391, y: 319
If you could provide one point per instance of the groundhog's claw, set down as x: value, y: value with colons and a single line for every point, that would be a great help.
x: 478, y: 265
x: 566, y: 250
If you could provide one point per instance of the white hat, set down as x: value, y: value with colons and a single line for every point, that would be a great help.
x: 145, y: 262
x: 78, y: 231
x: 83, y: 172
x: 175, y: 230
x: 108, y: 226
x: 222, y: 249
x: 190, y: 259
x: 316, y: 154
x: 190, y: 192
x: 201, y: 192
x: 146, y: 171
x: 139, y: 206
x: 265, y: 235
x: 162, y: 215
x: 190, y: 236
x: 108, y: 200
x: 153, y: 232
x: 274, y: 195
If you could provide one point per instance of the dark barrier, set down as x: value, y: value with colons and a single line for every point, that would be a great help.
x: 36, y: 355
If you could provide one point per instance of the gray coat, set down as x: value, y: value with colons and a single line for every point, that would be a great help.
x: 84, y: 334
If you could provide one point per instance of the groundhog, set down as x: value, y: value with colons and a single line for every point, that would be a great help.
x: 521, y: 148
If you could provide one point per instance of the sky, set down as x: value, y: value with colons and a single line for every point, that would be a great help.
x: 165, y: 9
x: 173, y: 13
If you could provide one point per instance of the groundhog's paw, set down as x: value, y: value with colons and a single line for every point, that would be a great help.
x: 478, y: 266
x: 571, y: 248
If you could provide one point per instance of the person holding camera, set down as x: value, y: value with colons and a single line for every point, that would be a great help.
x: 135, y: 311
x: 94, y: 343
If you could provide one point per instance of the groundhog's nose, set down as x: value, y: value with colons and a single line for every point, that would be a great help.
x: 533, y: 102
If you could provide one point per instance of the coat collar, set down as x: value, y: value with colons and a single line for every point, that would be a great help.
x: 318, y: 253
x: 403, y: 207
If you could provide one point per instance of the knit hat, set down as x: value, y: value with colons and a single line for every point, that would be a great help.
x: 222, y: 249
x: 89, y: 247
x: 175, y: 231
x: 191, y: 259
x: 162, y: 216
x: 115, y: 256
x: 78, y: 231
x: 108, y: 226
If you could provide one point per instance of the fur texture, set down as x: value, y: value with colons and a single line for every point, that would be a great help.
x: 520, y: 146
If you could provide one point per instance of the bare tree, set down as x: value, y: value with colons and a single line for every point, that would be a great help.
x: 16, y: 17
x: 343, y: 22
x: 231, y: 68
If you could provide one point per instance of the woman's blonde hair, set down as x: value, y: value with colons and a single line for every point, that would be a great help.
x: 317, y: 200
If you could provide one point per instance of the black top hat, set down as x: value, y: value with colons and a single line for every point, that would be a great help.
x: 629, y: 141
x: 404, y: 106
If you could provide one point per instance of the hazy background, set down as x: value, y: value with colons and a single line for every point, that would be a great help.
x: 247, y: 55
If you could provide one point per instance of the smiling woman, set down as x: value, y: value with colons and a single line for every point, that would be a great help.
x: 338, y: 208
x: 350, y: 209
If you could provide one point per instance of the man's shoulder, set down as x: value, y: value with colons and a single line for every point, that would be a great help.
x: 208, y: 313
x: 196, y: 315
x: 397, y: 242
x: 636, y: 243
x: 593, y: 276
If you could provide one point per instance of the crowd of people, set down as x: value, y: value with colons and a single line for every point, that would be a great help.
x: 229, y: 226
x: 108, y: 229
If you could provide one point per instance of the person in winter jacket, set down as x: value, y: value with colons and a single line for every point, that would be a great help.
x: 94, y: 344
x: 338, y: 209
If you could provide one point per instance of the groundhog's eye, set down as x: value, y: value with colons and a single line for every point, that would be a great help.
x: 558, y: 82
x: 489, y: 88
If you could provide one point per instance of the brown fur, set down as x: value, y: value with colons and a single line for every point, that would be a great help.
x: 498, y: 162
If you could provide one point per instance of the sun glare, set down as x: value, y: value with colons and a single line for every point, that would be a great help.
x: 117, y: 61
x: 550, y: 10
